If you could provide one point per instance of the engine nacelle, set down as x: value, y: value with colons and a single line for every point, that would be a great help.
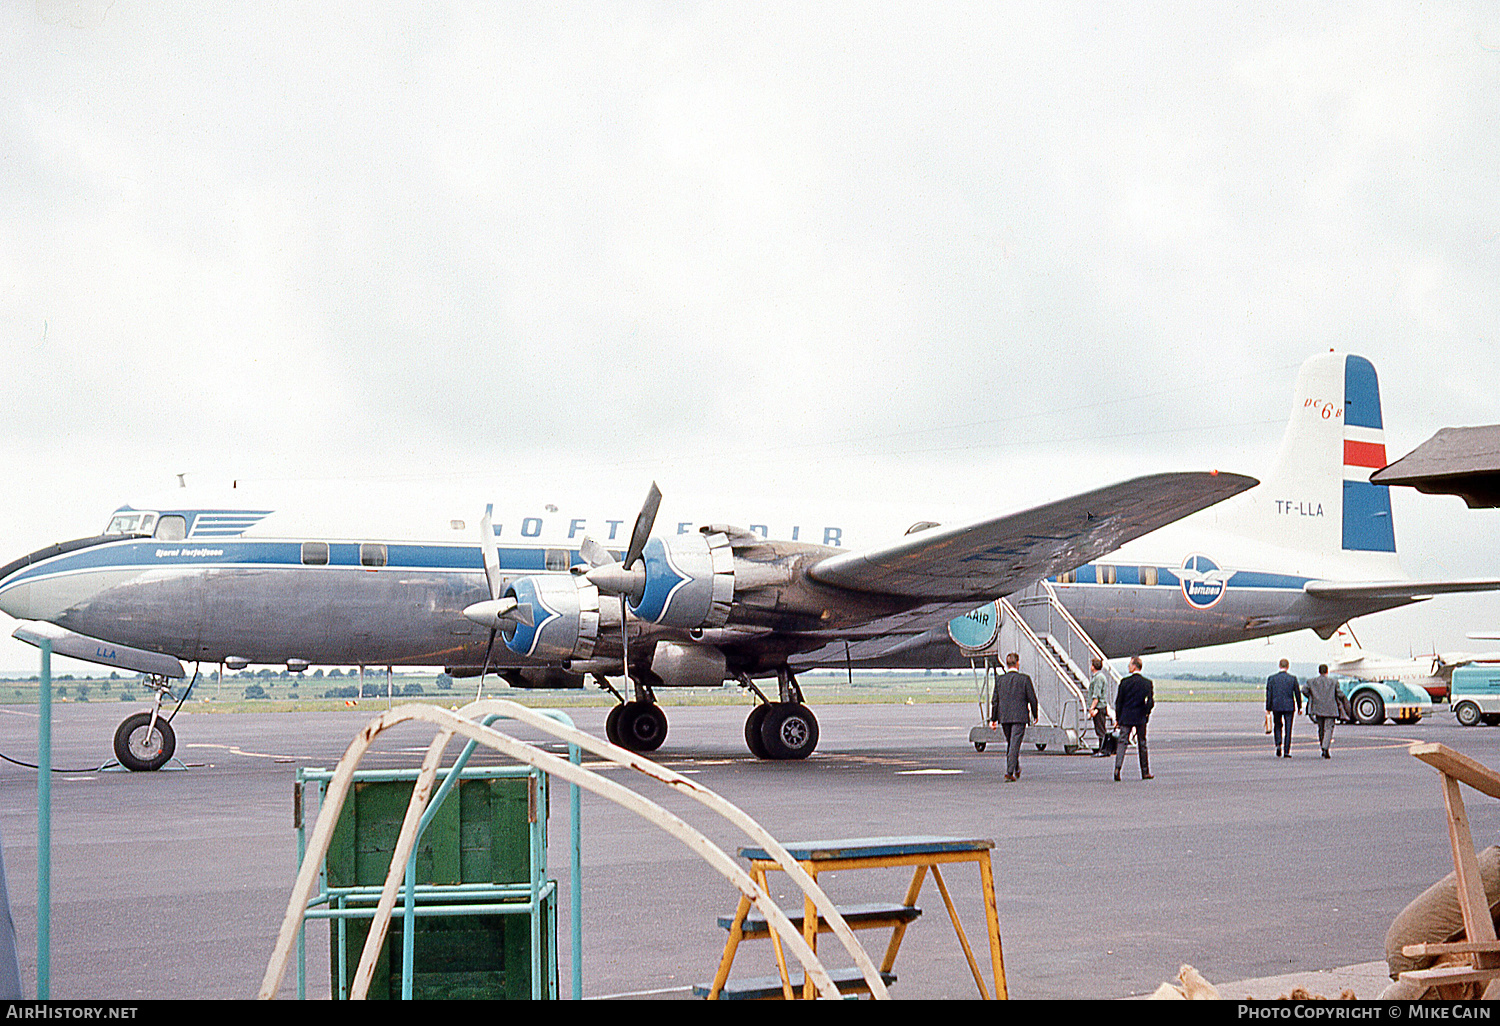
x: 689, y: 581
x: 688, y: 666
x: 564, y: 618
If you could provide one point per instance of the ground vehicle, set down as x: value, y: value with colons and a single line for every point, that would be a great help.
x: 1475, y: 694
x: 1375, y: 701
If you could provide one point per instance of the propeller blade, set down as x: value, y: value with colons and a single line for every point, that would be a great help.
x: 491, y: 553
x: 643, y: 524
x: 593, y: 553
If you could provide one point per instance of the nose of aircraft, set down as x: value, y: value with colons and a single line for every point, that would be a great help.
x: 17, y: 599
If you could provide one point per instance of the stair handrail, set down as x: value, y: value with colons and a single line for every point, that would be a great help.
x: 452, y: 723
x: 1081, y: 634
x: 1036, y: 644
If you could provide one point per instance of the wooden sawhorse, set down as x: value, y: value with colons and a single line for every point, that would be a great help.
x: 925, y: 854
x: 1479, y: 928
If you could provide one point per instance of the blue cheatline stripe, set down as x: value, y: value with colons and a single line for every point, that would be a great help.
x: 142, y: 555
x: 1361, y: 393
x: 1367, y: 518
x: 1166, y: 578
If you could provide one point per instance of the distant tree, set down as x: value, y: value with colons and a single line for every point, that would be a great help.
x: 444, y: 682
x: 256, y: 691
x: 114, y: 676
x: 412, y: 688
x: 317, y: 675
x: 335, y: 672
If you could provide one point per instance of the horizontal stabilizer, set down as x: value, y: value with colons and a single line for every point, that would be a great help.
x: 92, y: 650
x: 999, y: 555
x: 1396, y: 589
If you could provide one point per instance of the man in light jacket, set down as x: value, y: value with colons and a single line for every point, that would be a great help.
x: 1324, y: 699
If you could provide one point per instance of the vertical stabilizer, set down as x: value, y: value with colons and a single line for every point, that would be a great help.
x: 1317, y: 498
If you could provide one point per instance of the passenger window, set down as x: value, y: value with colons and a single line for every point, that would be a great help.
x: 557, y: 559
x: 171, y: 528
x: 1148, y: 576
x: 314, y: 553
x: 1106, y: 574
x: 372, y: 554
x: 1069, y: 577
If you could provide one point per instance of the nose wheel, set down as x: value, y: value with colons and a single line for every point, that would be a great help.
x: 141, y: 744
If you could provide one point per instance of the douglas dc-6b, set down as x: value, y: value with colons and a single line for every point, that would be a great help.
x: 537, y: 593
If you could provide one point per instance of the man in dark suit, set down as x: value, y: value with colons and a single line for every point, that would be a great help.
x: 1012, y: 706
x: 1134, y: 700
x: 1283, y: 702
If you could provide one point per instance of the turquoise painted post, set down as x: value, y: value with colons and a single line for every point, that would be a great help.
x: 44, y: 831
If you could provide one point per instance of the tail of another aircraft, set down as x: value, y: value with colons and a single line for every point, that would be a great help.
x: 1317, y: 499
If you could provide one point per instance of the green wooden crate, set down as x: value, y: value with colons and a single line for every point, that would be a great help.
x: 455, y: 958
x: 480, y: 835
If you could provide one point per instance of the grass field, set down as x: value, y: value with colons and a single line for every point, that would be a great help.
x: 305, y: 693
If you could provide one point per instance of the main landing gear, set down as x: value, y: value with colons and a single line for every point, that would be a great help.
x: 780, y: 730
x: 637, y: 726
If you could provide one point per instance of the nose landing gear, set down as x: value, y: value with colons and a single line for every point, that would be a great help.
x: 145, y: 740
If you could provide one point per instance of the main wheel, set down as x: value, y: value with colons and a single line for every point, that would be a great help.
x: 790, y: 731
x: 642, y: 726
x: 1368, y: 708
x: 612, y: 726
x: 753, y: 739
x: 139, y: 747
x: 1467, y: 713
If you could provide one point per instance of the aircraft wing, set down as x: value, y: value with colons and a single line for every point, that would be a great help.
x: 997, y: 556
x: 1413, y: 590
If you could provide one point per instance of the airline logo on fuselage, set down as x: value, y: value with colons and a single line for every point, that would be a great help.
x: 1203, y: 583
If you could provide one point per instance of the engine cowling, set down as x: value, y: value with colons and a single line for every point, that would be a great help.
x: 689, y: 581
x: 564, y: 615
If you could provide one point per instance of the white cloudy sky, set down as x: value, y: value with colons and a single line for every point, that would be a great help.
x: 965, y: 252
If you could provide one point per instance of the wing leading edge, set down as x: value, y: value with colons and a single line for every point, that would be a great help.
x: 999, y: 555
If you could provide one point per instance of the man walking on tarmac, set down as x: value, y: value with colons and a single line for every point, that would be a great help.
x: 1324, y: 696
x: 1283, y: 702
x: 1012, y: 706
x: 1134, y: 700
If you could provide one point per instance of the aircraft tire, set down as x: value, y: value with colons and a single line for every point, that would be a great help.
x: 790, y: 731
x: 136, y: 751
x: 612, y: 725
x: 753, y: 739
x: 642, y: 726
x: 1467, y: 713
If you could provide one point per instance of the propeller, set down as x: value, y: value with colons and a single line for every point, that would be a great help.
x: 624, y: 578
x: 496, y: 611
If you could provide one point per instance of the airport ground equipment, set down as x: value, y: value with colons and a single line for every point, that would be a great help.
x: 926, y: 854
x: 1055, y: 652
x: 1372, y: 702
x: 467, y: 723
x: 483, y: 922
x: 1475, y: 694
x: 1479, y: 941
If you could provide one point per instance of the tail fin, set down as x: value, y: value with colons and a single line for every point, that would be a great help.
x: 1318, y: 498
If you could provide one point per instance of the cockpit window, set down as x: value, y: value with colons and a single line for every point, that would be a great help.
x: 131, y: 523
x: 171, y: 528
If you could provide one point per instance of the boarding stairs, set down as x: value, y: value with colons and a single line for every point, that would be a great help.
x: 1055, y: 652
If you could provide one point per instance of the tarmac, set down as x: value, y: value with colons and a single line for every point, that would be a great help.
x: 1266, y: 873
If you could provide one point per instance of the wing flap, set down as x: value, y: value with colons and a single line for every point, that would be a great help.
x: 999, y: 555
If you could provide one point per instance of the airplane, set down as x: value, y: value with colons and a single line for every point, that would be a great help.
x: 1312, y: 547
x: 538, y: 599
x: 1433, y: 673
